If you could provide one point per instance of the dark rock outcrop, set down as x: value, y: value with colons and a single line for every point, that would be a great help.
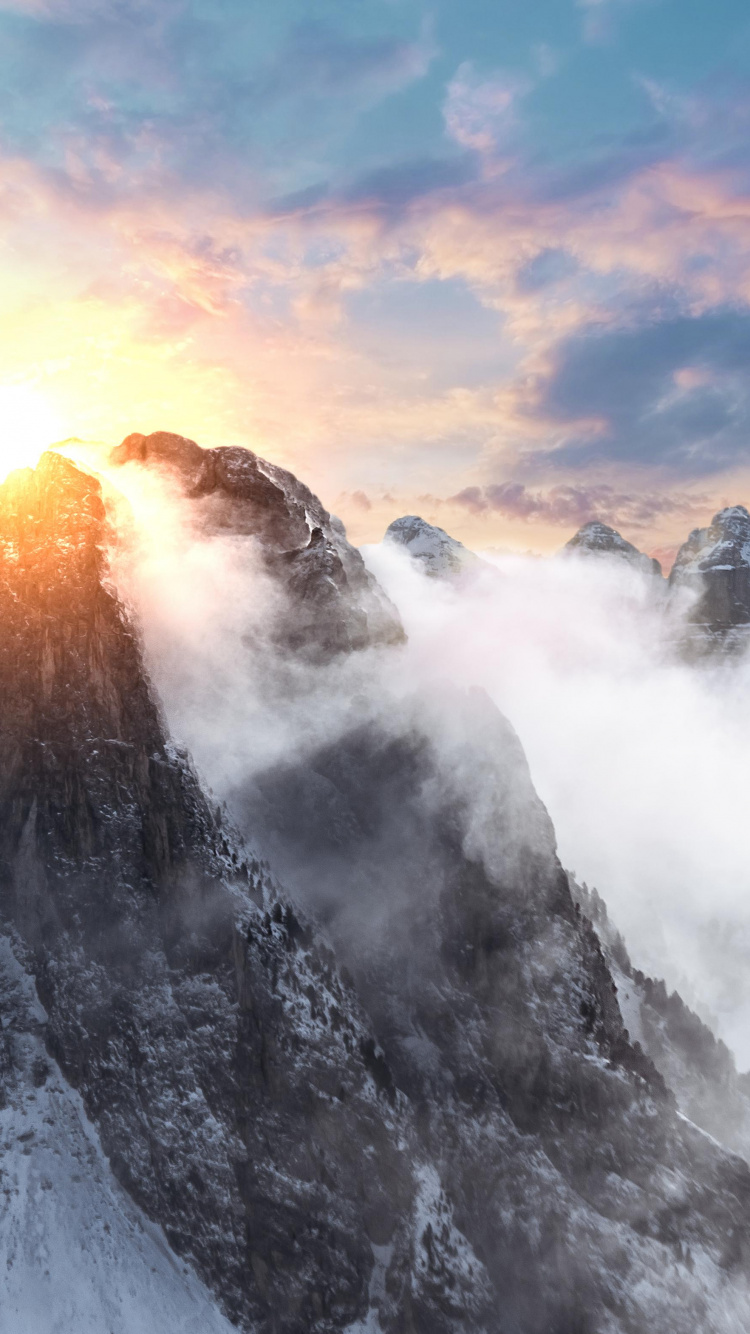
x: 698, y: 1067
x: 435, y: 551
x: 332, y: 604
x: 714, y: 564
x: 598, y: 539
x: 435, y: 869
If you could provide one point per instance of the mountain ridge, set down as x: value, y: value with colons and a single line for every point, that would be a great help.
x: 468, y: 1142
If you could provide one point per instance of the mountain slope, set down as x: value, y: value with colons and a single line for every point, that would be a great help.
x: 457, y: 1138
x: 435, y: 551
x: 714, y: 565
x: 697, y: 1066
x: 78, y: 1253
x: 188, y: 1007
x: 598, y: 539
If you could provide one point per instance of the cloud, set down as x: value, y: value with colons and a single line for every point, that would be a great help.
x: 394, y: 186
x: 668, y: 391
x: 316, y: 57
x: 571, y: 506
x: 481, y: 113
x: 640, y: 758
x: 600, y: 17
x: 156, y: 89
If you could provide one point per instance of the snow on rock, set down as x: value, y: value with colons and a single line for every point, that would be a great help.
x: 598, y: 539
x: 79, y: 1256
x: 697, y: 1066
x: 331, y: 604
x: 714, y: 565
x: 438, y: 554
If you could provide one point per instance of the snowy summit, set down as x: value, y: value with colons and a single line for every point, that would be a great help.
x: 598, y: 539
x: 438, y: 553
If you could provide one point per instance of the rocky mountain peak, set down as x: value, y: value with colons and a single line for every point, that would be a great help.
x: 436, y: 552
x: 332, y: 603
x: 598, y: 539
x: 453, y: 1131
x: 714, y: 564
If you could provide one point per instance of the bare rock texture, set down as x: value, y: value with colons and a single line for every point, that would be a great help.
x: 333, y: 604
x: 429, y: 1120
x: 714, y: 565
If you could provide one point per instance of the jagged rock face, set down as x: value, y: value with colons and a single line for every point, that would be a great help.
x: 332, y: 604
x: 79, y: 1255
x: 435, y: 551
x: 228, y: 1069
x: 698, y: 1067
x: 468, y: 1143
x: 498, y: 1017
x: 598, y: 539
x: 715, y: 564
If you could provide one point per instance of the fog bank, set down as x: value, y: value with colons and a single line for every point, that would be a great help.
x: 642, y: 760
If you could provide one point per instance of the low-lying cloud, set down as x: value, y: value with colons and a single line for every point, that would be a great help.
x: 640, y: 758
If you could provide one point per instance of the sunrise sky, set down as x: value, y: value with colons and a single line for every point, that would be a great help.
x: 483, y: 260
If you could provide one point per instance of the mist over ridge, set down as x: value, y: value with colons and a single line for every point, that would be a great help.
x: 637, y: 753
x: 388, y: 1077
x: 637, y: 747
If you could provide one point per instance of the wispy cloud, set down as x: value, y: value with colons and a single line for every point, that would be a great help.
x: 571, y: 506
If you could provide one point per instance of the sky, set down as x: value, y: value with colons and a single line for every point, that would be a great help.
x: 487, y: 262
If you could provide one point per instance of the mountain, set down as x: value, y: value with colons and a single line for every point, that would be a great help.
x: 598, y: 539
x: 78, y: 1253
x: 331, y: 604
x: 435, y: 551
x: 397, y: 1095
x: 226, y: 1066
x: 714, y: 565
x: 698, y: 1067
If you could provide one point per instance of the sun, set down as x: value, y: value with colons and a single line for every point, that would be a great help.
x: 28, y: 426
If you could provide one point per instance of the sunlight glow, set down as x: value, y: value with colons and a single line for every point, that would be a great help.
x: 28, y: 426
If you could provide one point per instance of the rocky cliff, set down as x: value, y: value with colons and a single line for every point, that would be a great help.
x: 429, y: 1119
x: 714, y: 566
x: 226, y: 1066
x: 331, y: 604
x: 698, y: 1067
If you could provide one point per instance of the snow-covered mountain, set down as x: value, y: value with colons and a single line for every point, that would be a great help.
x: 397, y: 1094
x: 435, y: 551
x: 78, y: 1253
x: 598, y: 539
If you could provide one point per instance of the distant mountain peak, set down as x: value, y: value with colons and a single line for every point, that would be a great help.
x: 437, y: 553
x: 598, y: 539
x: 714, y: 562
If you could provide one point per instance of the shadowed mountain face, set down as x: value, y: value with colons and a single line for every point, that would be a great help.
x: 332, y: 604
x: 453, y: 1134
x: 714, y: 564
